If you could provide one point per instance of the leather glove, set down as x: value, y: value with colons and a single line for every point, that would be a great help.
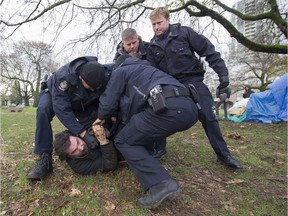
x: 224, y: 82
x: 43, y: 85
x: 90, y: 140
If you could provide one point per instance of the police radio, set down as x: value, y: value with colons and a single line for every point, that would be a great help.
x: 157, y: 100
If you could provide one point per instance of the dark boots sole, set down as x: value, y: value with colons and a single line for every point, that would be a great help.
x: 169, y: 196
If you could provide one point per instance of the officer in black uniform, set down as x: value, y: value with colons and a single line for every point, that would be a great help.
x: 172, y: 50
x: 133, y: 44
x: 132, y: 87
x: 74, y: 99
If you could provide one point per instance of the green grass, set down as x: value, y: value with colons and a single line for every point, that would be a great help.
x: 208, y: 188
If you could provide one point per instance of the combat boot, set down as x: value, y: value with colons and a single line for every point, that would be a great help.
x: 167, y: 189
x: 42, y: 168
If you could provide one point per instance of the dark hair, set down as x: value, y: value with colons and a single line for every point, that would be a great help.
x: 61, y: 144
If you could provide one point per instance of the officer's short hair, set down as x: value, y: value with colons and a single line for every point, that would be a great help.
x: 61, y: 144
x: 128, y: 33
x: 160, y: 11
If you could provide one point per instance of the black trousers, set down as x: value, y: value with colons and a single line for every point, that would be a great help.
x: 137, y: 137
x: 207, y: 117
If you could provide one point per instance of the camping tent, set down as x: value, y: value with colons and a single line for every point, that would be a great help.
x: 269, y: 106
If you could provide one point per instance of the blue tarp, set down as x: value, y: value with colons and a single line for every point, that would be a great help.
x: 269, y: 106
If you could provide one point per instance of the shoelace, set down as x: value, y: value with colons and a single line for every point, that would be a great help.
x: 45, y: 161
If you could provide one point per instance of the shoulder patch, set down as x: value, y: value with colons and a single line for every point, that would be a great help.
x: 63, y: 86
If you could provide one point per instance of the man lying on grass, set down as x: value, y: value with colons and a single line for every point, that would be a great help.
x: 81, y: 158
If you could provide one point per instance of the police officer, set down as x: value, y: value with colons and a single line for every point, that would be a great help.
x: 82, y: 159
x: 133, y: 86
x: 74, y: 98
x: 172, y: 50
x: 132, y: 44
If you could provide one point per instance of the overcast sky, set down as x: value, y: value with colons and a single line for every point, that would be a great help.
x: 34, y: 31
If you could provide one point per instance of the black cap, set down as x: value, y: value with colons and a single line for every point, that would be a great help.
x: 93, y: 74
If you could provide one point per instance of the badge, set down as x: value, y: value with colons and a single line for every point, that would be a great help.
x: 63, y: 86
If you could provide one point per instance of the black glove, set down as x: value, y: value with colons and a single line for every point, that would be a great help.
x: 224, y: 82
x: 90, y: 140
x: 43, y: 85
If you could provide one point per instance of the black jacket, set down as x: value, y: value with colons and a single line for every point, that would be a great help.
x: 175, y: 53
x: 142, y: 50
x: 73, y: 105
x: 129, y: 87
x: 101, y: 159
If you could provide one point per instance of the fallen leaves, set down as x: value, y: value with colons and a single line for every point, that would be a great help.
x: 234, y: 135
x: 235, y: 181
x: 110, y: 206
x: 75, y: 192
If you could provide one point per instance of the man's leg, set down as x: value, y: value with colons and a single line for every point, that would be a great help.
x: 154, y: 178
x: 134, y: 140
x: 43, y: 138
x: 211, y: 125
x: 225, y: 104
x: 217, y: 109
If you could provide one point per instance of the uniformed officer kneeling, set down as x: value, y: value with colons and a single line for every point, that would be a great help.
x: 153, y: 105
x: 73, y: 98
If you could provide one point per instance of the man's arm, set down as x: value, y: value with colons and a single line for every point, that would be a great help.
x: 204, y: 48
x: 103, y: 158
x: 62, y: 105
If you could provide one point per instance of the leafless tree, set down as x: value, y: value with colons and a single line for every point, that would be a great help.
x: 25, y: 66
x: 106, y: 18
x: 259, y: 70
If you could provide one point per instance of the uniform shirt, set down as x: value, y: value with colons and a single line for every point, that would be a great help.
x: 175, y: 53
x: 129, y: 87
x: 73, y: 105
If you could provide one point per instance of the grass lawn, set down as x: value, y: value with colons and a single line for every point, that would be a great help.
x: 208, y: 188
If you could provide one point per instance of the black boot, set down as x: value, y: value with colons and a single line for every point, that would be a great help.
x: 167, y: 189
x: 229, y: 161
x: 42, y: 169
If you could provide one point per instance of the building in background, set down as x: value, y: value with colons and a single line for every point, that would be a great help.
x: 261, y: 31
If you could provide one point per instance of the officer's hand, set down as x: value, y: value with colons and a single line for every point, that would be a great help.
x: 90, y: 140
x: 224, y: 82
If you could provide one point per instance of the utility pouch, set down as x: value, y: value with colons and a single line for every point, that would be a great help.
x: 157, y: 100
x: 194, y: 95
